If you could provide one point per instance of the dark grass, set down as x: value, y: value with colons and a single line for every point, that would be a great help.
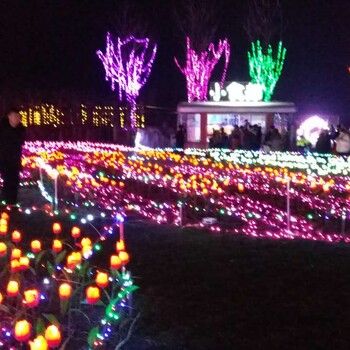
x: 200, y: 290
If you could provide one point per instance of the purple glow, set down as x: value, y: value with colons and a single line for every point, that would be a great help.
x: 199, y: 68
x: 128, y: 63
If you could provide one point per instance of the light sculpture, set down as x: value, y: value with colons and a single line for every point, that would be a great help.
x: 128, y: 63
x: 264, y: 68
x: 199, y: 67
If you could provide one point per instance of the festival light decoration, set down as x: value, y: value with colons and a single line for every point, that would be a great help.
x: 128, y: 63
x: 312, y: 127
x: 115, y: 295
x: 31, y: 297
x: 115, y: 262
x: 53, y: 336
x: 57, y: 245
x: 199, y: 67
x: 39, y: 343
x: 3, y: 249
x: 22, y: 330
x: 75, y: 232
x: 24, y: 263
x: 120, y: 246
x: 264, y: 68
x: 124, y: 257
x: 200, y: 173
x: 65, y: 291
x: 3, y: 226
x: 36, y: 246
x: 12, y: 288
x: 15, y: 265
x: 92, y: 295
x: 56, y: 228
x: 16, y: 236
x: 102, y: 279
x: 16, y: 253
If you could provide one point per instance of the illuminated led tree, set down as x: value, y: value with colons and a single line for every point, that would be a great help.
x: 199, y: 67
x: 264, y: 68
x: 128, y: 63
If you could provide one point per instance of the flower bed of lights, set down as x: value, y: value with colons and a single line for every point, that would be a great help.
x: 52, y: 295
x: 245, y: 191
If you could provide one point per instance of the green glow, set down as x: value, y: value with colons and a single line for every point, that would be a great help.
x: 97, y: 247
x: 264, y: 69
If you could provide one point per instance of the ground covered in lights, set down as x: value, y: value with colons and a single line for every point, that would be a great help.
x: 210, y: 290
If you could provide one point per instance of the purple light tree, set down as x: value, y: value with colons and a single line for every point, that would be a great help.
x: 199, y: 67
x: 128, y: 63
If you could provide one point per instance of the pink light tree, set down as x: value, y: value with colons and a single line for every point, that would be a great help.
x: 199, y: 67
x: 128, y: 63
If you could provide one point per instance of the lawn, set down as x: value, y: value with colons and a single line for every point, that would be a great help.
x: 201, y: 291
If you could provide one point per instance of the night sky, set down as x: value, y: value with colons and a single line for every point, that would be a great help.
x: 50, y: 46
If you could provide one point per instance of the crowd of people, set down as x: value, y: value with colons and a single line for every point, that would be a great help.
x: 251, y: 137
x: 334, y: 140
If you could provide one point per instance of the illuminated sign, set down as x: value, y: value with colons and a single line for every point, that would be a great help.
x: 236, y: 92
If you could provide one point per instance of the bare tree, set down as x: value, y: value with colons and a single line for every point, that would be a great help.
x: 197, y: 19
x: 129, y: 20
x: 264, y: 21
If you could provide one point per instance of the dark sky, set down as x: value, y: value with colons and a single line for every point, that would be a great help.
x: 50, y: 46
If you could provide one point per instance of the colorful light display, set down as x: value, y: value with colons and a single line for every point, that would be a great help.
x: 166, y: 187
x: 128, y: 63
x: 264, y: 68
x: 54, y: 286
x: 199, y: 67
x: 167, y: 178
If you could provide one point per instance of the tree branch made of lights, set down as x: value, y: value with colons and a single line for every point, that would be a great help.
x: 199, y: 67
x: 128, y: 63
x: 264, y: 68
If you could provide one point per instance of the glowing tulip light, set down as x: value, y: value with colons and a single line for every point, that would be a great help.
x: 102, y: 279
x: 35, y: 246
x: 65, y: 291
x: 39, y: 343
x: 92, y: 295
x: 3, y: 249
x: 12, y: 288
x: 53, y: 336
x: 31, y: 297
x: 22, y: 330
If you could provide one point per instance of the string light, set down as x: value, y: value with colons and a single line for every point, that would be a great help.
x: 264, y: 69
x: 128, y: 63
x: 199, y: 67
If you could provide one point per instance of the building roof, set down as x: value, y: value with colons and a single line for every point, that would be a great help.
x: 236, y: 107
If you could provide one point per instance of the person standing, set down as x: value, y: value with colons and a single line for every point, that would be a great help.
x: 343, y: 142
x: 12, y: 136
x: 180, y: 137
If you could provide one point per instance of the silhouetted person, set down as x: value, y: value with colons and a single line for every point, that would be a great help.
x: 235, y: 138
x: 12, y: 135
x: 224, y: 139
x: 323, y: 144
x: 180, y: 137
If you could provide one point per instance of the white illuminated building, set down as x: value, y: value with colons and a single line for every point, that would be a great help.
x: 234, y: 104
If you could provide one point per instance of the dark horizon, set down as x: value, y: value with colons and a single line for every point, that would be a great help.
x: 51, y: 46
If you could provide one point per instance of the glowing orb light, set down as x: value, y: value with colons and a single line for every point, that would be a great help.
x: 312, y: 127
